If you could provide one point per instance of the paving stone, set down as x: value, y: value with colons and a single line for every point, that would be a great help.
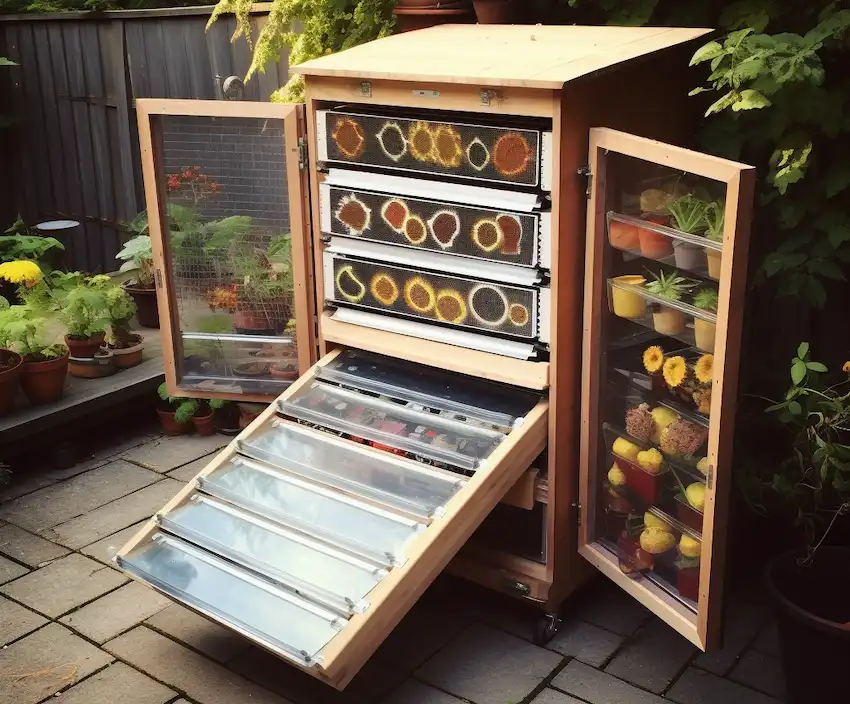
x: 10, y: 570
x: 588, y: 643
x: 768, y: 640
x: 16, y: 621
x: 28, y: 548
x: 104, y: 550
x: 489, y: 666
x: 68, y: 582
x: 743, y: 620
x: 653, y: 657
x: 187, y: 472
x: 106, y: 452
x: 760, y: 671
x: 56, y: 504
x: 24, y: 484
x: 553, y: 696
x: 196, y: 676
x: 118, y: 683
x: 698, y: 687
x: 169, y: 452
x: 45, y: 662
x: 600, y: 688
x: 413, y: 692
x: 116, y: 612
x: 606, y: 605
x: 203, y: 635
x: 115, y: 515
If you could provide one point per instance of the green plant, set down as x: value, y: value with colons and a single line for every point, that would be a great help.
x: 689, y: 212
x: 184, y: 408
x: 137, y: 255
x: 706, y: 299
x: 670, y: 286
x: 84, y: 309
x: 31, y: 334
x: 18, y: 244
x: 715, y: 220
x: 306, y: 29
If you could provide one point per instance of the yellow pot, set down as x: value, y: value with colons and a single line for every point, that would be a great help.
x: 669, y: 321
x: 714, y: 259
x: 626, y: 303
x: 704, y: 333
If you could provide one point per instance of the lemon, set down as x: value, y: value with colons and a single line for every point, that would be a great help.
x: 650, y: 520
x: 689, y: 547
x: 656, y: 540
x: 662, y: 416
x: 624, y: 448
x: 702, y: 465
x: 616, y: 476
x: 695, y: 495
x: 650, y: 460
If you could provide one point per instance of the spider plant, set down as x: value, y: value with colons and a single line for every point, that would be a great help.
x: 714, y: 220
x: 688, y: 212
x: 670, y: 286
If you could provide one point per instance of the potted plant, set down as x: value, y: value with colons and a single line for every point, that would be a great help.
x: 175, y: 413
x: 11, y: 368
x: 688, y: 213
x: 704, y: 330
x: 137, y: 258
x: 653, y: 208
x: 264, y: 290
x: 624, y: 302
x: 715, y: 219
x: 203, y: 417
x: 811, y: 488
x: 126, y: 346
x: 85, y: 313
x: 667, y: 319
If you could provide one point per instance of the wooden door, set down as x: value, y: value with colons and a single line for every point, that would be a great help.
x: 227, y: 203
x: 660, y: 372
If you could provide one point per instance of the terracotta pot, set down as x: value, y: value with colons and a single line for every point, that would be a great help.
x: 204, y: 424
x: 248, y: 412
x: 653, y: 244
x: 410, y: 19
x: 44, y: 382
x: 714, y: 260
x: 85, y: 347
x: 431, y: 4
x: 284, y: 373
x: 147, y: 312
x: 495, y: 11
x: 13, y: 367
x: 92, y: 367
x: 251, y: 324
x: 169, y: 423
x: 669, y: 321
x: 126, y: 357
x: 704, y: 333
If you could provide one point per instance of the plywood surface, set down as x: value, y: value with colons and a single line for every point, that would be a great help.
x: 531, y: 56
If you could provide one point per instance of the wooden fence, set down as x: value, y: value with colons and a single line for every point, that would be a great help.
x: 72, y: 151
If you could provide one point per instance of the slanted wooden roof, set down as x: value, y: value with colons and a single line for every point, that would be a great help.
x: 531, y: 56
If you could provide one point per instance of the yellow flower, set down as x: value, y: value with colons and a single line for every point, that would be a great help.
x: 675, y: 370
x: 20, y: 272
x: 704, y: 368
x: 653, y: 358
x: 846, y: 367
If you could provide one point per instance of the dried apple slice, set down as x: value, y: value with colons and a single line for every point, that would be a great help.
x: 447, y: 147
x: 349, y: 138
x: 395, y: 213
x: 487, y: 235
x: 392, y: 141
x: 450, y: 306
x: 477, y: 154
x: 347, y: 283
x: 488, y: 304
x: 354, y: 214
x: 415, y: 231
x: 421, y: 142
x: 419, y: 295
x: 444, y: 226
x: 518, y: 314
x: 512, y: 231
x: 384, y: 288
x: 511, y: 154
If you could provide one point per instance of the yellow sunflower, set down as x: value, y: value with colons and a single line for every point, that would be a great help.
x: 20, y: 272
x: 653, y: 359
x: 675, y: 370
x: 846, y: 367
x: 704, y: 368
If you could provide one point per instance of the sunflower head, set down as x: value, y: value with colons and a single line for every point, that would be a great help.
x: 653, y: 359
x: 675, y: 370
x: 20, y: 272
x: 846, y: 367
x: 704, y: 368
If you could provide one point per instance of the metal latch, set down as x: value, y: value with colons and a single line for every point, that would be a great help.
x: 302, y: 153
x: 588, y: 174
x: 516, y: 586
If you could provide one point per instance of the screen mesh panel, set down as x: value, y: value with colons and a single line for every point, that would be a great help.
x: 425, y: 224
x: 482, y: 153
x: 459, y: 301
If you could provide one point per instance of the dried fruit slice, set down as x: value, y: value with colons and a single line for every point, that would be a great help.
x: 450, y: 307
x: 447, y: 147
x: 347, y: 283
x: 421, y: 142
x: 354, y: 214
x: 512, y: 231
x: 395, y: 213
x: 518, y: 314
x: 415, y: 231
x: 444, y: 226
x: 487, y: 235
x: 419, y: 295
x: 348, y: 137
x: 511, y: 154
x: 384, y: 288
x: 477, y: 154
x: 489, y: 305
x: 392, y: 141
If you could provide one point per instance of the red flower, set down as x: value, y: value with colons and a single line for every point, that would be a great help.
x: 215, y: 188
x: 173, y: 182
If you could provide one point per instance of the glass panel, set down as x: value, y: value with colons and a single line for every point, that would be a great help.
x: 325, y: 514
x: 392, y: 426
x: 225, y: 197
x: 407, y: 486
x: 281, y: 621
x: 337, y: 580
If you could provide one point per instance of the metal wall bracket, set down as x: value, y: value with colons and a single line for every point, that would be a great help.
x: 488, y: 96
x: 365, y: 89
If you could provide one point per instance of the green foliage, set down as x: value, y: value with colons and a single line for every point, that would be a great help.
x: 670, y: 286
x: 307, y: 29
x: 18, y: 244
x: 185, y: 408
x: 35, y: 6
x: 137, y: 256
x: 84, y: 311
x: 30, y: 333
x: 706, y: 299
x: 715, y: 219
x: 689, y: 212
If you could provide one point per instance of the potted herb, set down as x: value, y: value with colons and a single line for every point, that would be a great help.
x: 688, y: 213
x: 175, y: 413
x: 704, y: 330
x: 715, y: 219
x: 126, y: 346
x: 137, y: 258
x: 85, y: 313
x: 667, y: 319
x: 203, y: 417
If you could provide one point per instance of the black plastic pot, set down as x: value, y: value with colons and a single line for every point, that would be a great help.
x: 813, y: 618
x: 147, y: 312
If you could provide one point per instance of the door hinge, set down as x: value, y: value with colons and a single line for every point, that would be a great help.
x: 302, y: 153
x: 709, y: 477
x: 158, y: 276
x: 577, y: 506
x: 588, y: 174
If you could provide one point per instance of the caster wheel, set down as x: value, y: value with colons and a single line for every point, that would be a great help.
x: 545, y: 629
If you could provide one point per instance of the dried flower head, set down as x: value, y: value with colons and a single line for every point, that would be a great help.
x: 704, y: 368
x: 640, y: 423
x: 675, y: 370
x: 653, y: 359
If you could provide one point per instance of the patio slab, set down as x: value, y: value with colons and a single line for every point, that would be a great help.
x: 26, y: 547
x: 118, y: 683
x: 16, y: 621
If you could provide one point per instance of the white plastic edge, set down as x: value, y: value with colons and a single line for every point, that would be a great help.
x: 544, y: 241
x: 328, y: 267
x: 544, y: 317
x: 325, y: 214
x: 546, y: 155
x: 321, y: 135
x: 482, y: 343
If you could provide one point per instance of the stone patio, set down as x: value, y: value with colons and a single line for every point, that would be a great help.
x: 75, y: 630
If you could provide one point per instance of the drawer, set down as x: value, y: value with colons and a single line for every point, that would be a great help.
x: 463, y: 150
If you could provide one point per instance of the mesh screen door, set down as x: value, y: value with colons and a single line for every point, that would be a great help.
x: 227, y: 208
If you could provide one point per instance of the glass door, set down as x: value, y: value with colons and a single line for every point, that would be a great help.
x: 227, y: 211
x: 666, y: 265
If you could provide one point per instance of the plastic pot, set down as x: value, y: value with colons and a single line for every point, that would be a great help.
x: 84, y: 347
x: 668, y: 321
x: 44, y: 382
x: 628, y: 304
x: 704, y: 333
x: 812, y: 616
x: 714, y: 260
x: 10, y: 376
x: 622, y: 235
x: 688, y: 256
x: 147, y: 312
x: 248, y: 412
x: 169, y: 423
x: 495, y: 11
x: 653, y: 244
x: 204, y: 424
x: 92, y: 367
x: 647, y: 485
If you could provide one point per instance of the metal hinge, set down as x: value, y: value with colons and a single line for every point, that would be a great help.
x: 577, y: 506
x: 588, y: 174
x: 302, y: 153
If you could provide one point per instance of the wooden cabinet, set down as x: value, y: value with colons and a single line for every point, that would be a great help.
x: 464, y: 373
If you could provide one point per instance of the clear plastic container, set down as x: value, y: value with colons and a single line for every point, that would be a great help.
x: 642, y: 465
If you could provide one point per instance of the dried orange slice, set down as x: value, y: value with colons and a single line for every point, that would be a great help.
x: 421, y: 142
x: 347, y: 283
x: 487, y: 235
x: 450, y: 306
x: 518, y: 314
x: 511, y: 154
x: 477, y: 154
x: 384, y: 288
x: 395, y: 213
x: 392, y: 141
x: 419, y: 295
x: 489, y: 305
x: 444, y: 226
x: 354, y: 214
x: 447, y: 148
x: 348, y: 137
x: 415, y: 231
